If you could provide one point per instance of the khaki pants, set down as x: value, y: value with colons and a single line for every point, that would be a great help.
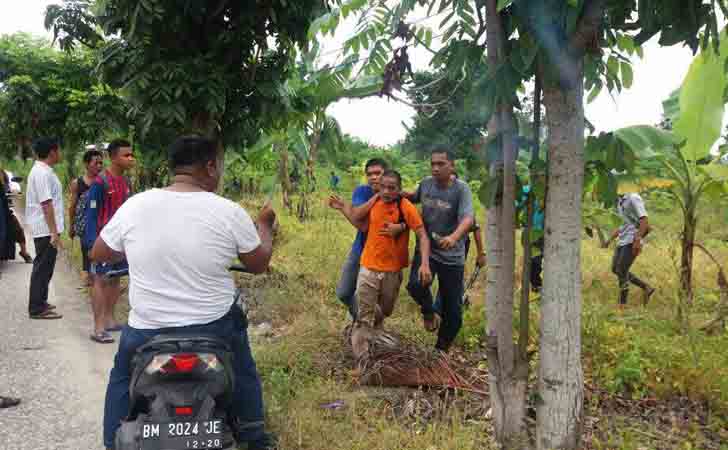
x: 376, y: 294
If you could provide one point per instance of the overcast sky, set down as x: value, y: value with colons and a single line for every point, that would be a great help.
x: 379, y: 121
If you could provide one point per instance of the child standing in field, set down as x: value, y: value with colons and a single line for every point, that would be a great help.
x: 386, y: 253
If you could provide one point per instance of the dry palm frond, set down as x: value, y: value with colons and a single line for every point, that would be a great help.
x: 394, y: 360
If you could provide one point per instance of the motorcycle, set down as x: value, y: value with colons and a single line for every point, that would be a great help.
x: 180, y: 392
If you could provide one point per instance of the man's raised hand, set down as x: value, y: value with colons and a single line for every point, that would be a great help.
x: 267, y: 216
x: 336, y: 202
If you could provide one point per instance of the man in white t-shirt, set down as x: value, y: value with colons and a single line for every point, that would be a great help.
x: 179, y: 242
x: 635, y: 226
x: 44, y: 216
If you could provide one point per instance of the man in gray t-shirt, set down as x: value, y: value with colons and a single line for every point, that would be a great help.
x: 635, y: 226
x: 447, y: 211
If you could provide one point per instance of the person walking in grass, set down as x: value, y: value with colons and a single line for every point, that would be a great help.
x: 447, y: 212
x: 44, y: 216
x: 109, y: 190
x: 93, y: 161
x: 345, y: 289
x: 635, y: 226
x: 384, y: 257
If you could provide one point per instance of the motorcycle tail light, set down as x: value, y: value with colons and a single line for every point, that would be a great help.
x: 180, y: 363
x: 183, y: 411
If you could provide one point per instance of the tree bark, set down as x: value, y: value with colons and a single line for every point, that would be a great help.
x: 284, y: 176
x: 507, y: 373
x: 561, y: 380
x: 686, y: 266
x: 313, y: 149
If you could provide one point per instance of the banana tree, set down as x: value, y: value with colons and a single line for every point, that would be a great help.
x: 696, y: 110
x: 306, y: 128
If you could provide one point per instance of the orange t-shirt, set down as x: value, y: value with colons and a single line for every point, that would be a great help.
x: 384, y: 253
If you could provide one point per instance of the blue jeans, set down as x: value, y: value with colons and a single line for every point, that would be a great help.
x: 346, y: 288
x: 247, y: 405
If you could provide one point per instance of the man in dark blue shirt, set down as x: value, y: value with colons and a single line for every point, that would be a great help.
x: 374, y: 169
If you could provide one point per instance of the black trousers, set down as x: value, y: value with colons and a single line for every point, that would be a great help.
x: 451, y: 292
x: 621, y: 265
x: 43, y: 266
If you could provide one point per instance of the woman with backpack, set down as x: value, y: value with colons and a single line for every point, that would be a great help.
x: 94, y: 162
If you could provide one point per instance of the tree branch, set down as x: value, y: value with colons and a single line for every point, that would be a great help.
x: 481, y: 20
x: 588, y: 25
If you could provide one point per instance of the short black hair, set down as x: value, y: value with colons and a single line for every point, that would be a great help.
x: 91, y: 154
x: 448, y: 154
x: 116, y: 145
x: 376, y: 162
x: 192, y: 150
x: 393, y: 174
x: 44, y: 146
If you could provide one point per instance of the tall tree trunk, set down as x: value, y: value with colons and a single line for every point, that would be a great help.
x: 313, y: 153
x: 508, y: 375
x: 686, y: 266
x: 310, y: 184
x: 561, y: 380
x: 525, y: 308
x: 284, y: 176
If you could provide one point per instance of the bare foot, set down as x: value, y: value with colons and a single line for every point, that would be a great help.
x: 433, y: 323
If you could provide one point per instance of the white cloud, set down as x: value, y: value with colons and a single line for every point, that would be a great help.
x: 24, y: 15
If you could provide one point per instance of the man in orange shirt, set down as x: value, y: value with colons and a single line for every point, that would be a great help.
x: 386, y: 253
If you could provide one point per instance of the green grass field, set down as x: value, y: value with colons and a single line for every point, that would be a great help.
x: 648, y: 385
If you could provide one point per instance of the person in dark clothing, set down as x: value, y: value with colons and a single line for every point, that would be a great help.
x: 447, y: 210
x: 13, y: 231
x: 537, y: 245
x: 94, y: 162
x: 7, y: 246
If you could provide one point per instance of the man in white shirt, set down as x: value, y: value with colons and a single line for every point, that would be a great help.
x: 179, y: 242
x: 44, y: 216
x: 635, y: 226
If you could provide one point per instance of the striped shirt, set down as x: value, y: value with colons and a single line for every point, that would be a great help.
x: 104, y: 201
x: 43, y: 185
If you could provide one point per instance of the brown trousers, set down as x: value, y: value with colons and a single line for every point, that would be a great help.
x: 376, y: 294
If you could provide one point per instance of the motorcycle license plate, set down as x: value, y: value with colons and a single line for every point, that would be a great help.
x: 203, y: 434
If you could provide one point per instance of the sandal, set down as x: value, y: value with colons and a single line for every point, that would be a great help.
x: 26, y: 257
x: 46, y: 315
x: 50, y: 307
x: 8, y: 402
x: 102, y: 337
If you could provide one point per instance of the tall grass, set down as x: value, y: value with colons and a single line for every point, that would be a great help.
x: 641, y: 354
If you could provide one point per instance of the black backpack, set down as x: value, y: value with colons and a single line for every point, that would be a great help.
x: 79, y: 221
